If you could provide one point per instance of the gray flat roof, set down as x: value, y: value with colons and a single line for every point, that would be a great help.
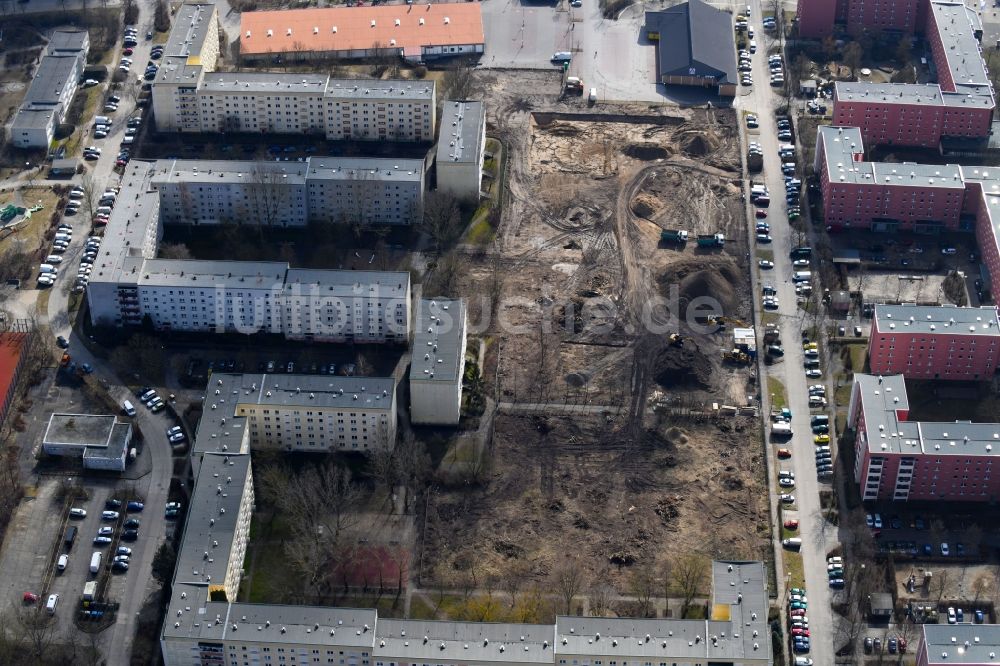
x: 961, y: 48
x: 891, y: 93
x: 121, y: 434
x: 230, y: 171
x: 882, y: 397
x: 211, y: 523
x: 942, y: 319
x: 79, y: 429
x: 961, y: 643
x: 50, y: 79
x: 468, y: 642
x: 33, y: 118
x: 386, y: 284
x: 739, y: 608
x: 461, y: 132
x: 280, y: 82
x: 194, y: 273
x: 843, y: 144
x: 439, y: 332
x: 288, y: 173
x: 67, y: 40
x: 364, y: 168
x: 323, y: 391
x: 191, y: 24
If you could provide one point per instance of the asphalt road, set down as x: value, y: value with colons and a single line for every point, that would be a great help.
x: 817, y: 537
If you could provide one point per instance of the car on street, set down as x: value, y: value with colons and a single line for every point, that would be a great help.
x: 784, y: 453
x: 765, y: 264
x: 76, y: 512
x: 787, y: 498
x: 105, y: 531
x: 821, y: 439
x: 786, y: 483
x: 29, y: 597
x: 802, y: 661
x: 119, y: 566
x: 102, y: 540
x: 130, y: 535
x: 134, y: 506
x: 62, y: 342
x: 952, y: 617
x: 132, y: 524
x: 109, y: 515
x: 791, y: 524
x: 177, y: 438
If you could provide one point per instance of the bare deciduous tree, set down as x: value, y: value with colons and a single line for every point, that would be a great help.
x: 442, y: 219
x: 690, y: 575
x: 601, y: 597
x: 642, y: 585
x: 568, y: 580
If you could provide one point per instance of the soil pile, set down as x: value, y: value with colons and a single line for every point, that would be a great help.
x: 693, y: 279
x: 698, y: 144
x: 682, y: 367
x: 645, y: 206
x: 646, y: 151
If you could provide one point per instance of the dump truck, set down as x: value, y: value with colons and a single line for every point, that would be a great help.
x: 711, y: 240
x: 674, y: 236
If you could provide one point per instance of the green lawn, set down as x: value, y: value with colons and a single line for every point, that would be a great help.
x: 777, y: 389
x: 793, y: 565
x: 859, y: 355
x: 480, y: 232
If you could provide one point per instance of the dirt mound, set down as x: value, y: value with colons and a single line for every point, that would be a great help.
x: 682, y: 367
x: 645, y: 206
x: 645, y: 151
x: 561, y: 129
x: 717, y: 280
x: 698, y: 144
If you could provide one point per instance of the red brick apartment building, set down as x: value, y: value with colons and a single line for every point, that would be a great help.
x: 959, y: 105
x: 905, y: 461
x: 884, y: 196
x: 934, y: 342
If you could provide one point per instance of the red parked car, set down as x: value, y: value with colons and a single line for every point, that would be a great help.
x: 784, y: 453
x: 127, y: 52
x: 761, y: 214
x: 800, y: 632
x: 791, y: 524
x: 30, y: 597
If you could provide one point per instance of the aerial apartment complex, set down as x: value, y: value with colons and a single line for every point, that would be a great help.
x: 414, y: 32
x: 901, y: 460
x: 817, y: 18
x: 189, y: 96
x: 203, y: 623
x: 344, y: 190
x: 934, y: 342
x: 51, y: 90
x: 129, y: 284
x: 884, y: 196
x: 959, y: 106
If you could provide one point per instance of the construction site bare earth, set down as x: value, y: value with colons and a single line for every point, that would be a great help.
x: 606, y: 446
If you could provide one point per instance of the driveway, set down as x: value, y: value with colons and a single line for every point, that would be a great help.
x: 817, y: 536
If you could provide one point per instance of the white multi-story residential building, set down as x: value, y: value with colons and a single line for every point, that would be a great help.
x: 313, y: 412
x: 461, y: 148
x: 319, y: 189
x: 438, y: 362
x: 188, y: 99
x: 128, y: 285
x: 51, y: 90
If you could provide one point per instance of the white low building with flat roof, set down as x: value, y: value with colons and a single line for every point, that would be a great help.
x: 100, y: 441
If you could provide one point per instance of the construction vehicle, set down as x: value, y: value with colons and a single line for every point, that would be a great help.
x: 676, y: 340
x: 674, y: 236
x: 736, y: 356
x: 723, y: 320
x: 711, y: 240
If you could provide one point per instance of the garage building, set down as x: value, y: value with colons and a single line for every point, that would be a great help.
x: 695, y: 46
x: 99, y: 440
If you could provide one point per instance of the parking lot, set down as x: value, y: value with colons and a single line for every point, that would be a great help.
x: 610, y: 55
